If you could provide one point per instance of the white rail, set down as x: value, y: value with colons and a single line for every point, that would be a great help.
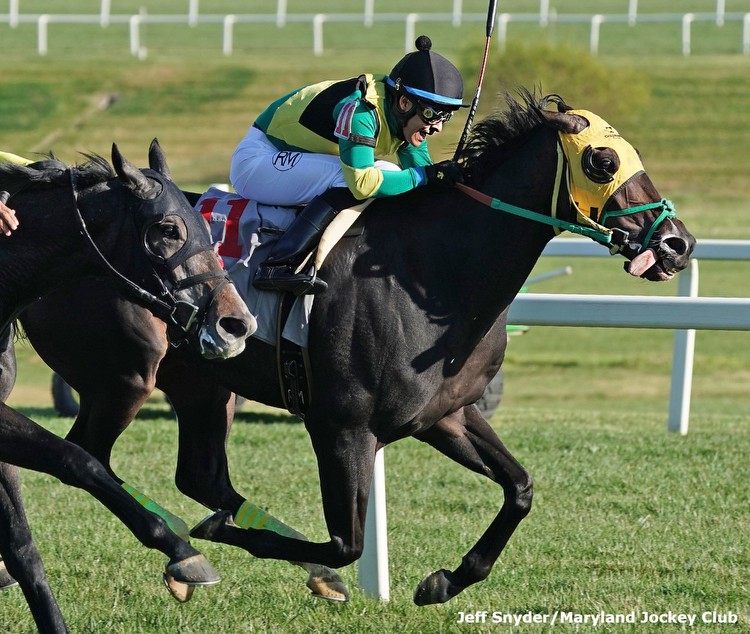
x: 368, y: 17
x: 684, y: 313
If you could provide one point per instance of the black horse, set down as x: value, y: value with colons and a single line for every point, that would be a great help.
x: 407, y: 336
x: 142, y: 230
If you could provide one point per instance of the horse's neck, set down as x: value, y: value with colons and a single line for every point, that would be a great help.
x: 495, y: 251
x: 46, y: 252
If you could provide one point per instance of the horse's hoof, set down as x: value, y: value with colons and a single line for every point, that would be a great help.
x: 435, y: 588
x: 6, y: 581
x: 326, y: 584
x: 193, y: 571
x: 180, y: 591
x: 207, y: 527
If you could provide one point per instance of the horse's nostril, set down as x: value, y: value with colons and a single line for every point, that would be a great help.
x: 677, y: 245
x: 236, y: 327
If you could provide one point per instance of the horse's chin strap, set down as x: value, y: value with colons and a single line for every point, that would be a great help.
x: 616, y: 239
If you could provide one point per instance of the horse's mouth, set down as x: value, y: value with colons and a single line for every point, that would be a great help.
x: 648, y: 266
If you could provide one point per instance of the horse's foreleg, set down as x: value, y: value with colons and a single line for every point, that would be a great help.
x: 469, y: 440
x: 21, y: 556
x: 204, y: 412
x: 27, y: 445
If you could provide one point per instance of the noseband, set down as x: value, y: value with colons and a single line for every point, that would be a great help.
x: 185, y: 316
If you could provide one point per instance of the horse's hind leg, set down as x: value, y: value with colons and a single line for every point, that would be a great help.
x: 468, y: 439
x: 21, y: 556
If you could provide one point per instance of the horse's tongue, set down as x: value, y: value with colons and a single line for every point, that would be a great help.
x: 642, y: 263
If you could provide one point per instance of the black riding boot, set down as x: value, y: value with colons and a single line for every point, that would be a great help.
x: 277, y: 272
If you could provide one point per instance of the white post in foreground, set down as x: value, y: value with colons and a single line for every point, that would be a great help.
x: 373, y: 565
x: 682, y: 359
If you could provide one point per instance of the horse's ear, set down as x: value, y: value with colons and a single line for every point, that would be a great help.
x: 568, y: 123
x: 157, y: 161
x: 131, y: 176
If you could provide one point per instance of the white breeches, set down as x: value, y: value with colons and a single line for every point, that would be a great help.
x: 260, y: 172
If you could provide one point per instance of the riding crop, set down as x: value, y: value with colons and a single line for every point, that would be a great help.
x: 491, y: 10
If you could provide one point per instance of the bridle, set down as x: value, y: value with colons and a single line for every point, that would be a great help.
x: 616, y: 239
x: 185, y: 318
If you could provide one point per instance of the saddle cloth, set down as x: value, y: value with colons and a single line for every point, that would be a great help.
x: 243, y: 232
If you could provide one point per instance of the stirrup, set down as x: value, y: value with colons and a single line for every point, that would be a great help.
x: 282, y: 278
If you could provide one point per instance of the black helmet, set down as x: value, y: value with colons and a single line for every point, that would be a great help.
x: 427, y: 76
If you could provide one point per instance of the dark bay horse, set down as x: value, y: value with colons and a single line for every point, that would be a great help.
x: 142, y: 231
x: 407, y: 336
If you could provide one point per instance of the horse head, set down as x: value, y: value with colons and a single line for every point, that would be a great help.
x: 202, y: 302
x: 610, y: 191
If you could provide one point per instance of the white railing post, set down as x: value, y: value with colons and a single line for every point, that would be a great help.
x: 543, y: 12
x: 632, y: 12
x: 281, y: 13
x: 683, y: 354
x: 410, y: 31
x: 596, y: 22
x: 720, y: 10
x: 687, y: 20
x: 136, y: 50
x: 193, y: 12
x: 318, y: 21
x: 228, y: 43
x: 369, y: 13
x: 104, y: 13
x: 13, y: 14
x: 373, y: 564
x: 41, y: 31
x: 746, y: 34
x: 457, y: 12
x: 502, y: 31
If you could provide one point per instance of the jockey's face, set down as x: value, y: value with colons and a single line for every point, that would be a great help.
x: 415, y: 130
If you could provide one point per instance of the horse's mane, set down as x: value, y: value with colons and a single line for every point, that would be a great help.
x: 51, y: 171
x: 490, y: 139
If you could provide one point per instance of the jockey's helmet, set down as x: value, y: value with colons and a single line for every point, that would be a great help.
x: 426, y: 77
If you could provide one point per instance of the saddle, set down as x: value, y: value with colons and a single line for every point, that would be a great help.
x: 243, y: 233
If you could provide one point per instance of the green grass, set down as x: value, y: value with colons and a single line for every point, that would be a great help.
x: 626, y: 517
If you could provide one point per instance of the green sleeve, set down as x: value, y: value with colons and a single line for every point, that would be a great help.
x: 358, y: 158
x: 410, y: 156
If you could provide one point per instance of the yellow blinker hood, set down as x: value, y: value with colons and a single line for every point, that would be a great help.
x: 589, y: 196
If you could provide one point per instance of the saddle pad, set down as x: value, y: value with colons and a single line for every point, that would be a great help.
x: 243, y: 232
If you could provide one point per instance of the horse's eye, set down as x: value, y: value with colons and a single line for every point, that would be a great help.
x: 171, y: 232
x: 600, y: 164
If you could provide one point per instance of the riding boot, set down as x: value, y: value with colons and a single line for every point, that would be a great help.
x: 277, y: 273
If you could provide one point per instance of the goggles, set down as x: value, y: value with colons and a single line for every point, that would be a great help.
x: 431, y: 115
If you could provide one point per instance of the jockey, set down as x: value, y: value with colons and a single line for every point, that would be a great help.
x: 8, y: 220
x: 322, y: 146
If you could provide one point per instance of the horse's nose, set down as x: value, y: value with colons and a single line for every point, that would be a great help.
x: 677, y: 245
x: 238, y: 327
x: 674, y: 251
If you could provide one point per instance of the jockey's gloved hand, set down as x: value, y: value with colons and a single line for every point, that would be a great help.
x: 446, y: 173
